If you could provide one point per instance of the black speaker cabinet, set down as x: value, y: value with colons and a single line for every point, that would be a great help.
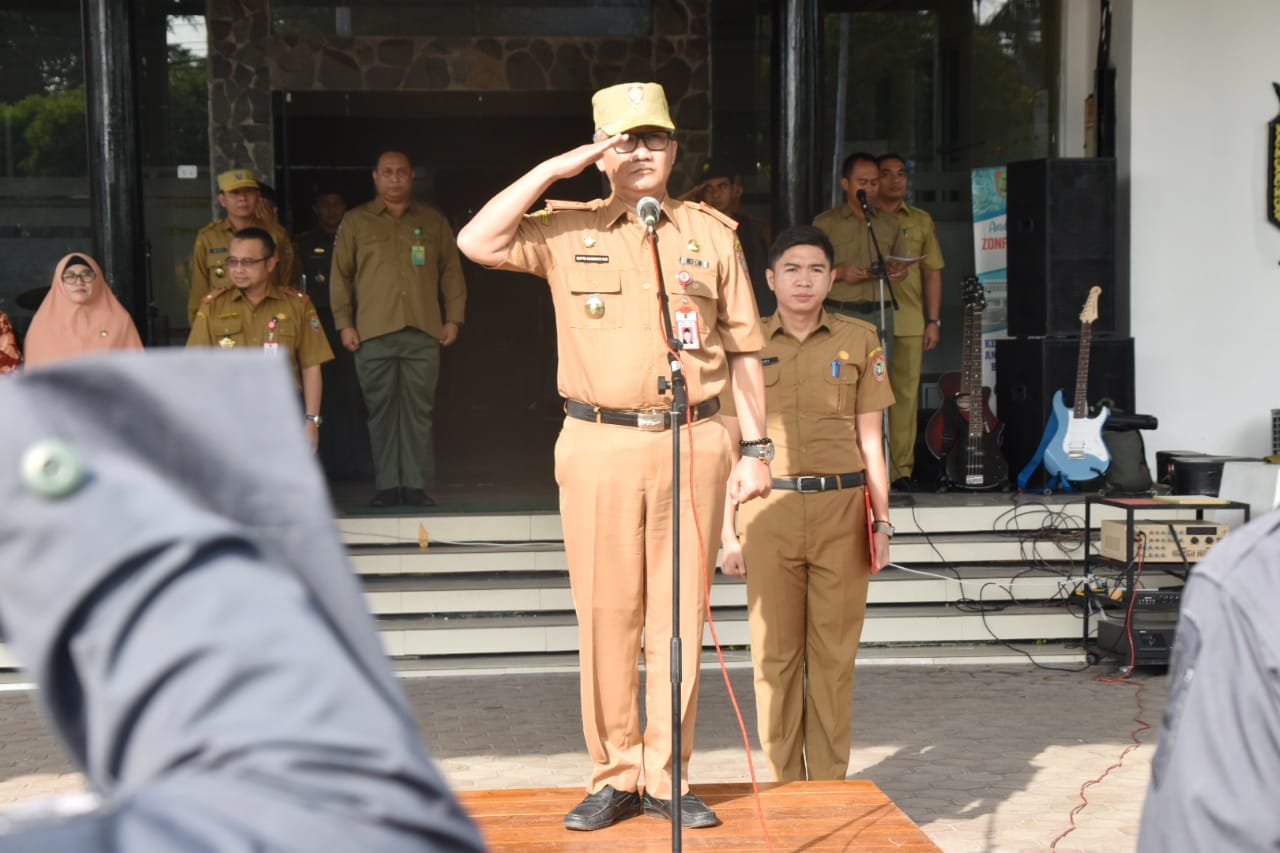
x: 1029, y: 370
x: 1062, y: 241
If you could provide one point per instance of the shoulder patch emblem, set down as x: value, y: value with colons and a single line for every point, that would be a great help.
x: 213, y: 294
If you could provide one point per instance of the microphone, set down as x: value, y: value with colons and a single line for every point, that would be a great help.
x: 648, y: 210
x: 862, y: 200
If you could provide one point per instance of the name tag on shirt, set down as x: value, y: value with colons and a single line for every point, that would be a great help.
x: 687, y: 329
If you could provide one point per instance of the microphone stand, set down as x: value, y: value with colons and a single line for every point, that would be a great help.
x: 679, y: 406
x: 885, y: 283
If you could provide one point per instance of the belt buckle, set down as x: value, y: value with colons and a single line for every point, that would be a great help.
x: 803, y: 489
x: 651, y: 420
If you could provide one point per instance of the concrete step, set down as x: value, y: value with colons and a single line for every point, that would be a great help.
x: 544, y: 633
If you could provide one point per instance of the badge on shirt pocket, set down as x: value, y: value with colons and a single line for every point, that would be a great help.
x: 418, y: 254
x: 687, y: 329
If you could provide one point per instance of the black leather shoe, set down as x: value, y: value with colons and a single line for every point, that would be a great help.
x: 694, y: 813
x: 385, y: 498
x: 603, y: 808
x: 902, y: 484
x: 416, y: 497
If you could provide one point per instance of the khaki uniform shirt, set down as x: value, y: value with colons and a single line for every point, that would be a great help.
x: 226, y: 319
x: 611, y: 340
x: 814, y: 391
x: 918, y: 237
x: 209, y: 261
x: 848, y: 233
x: 392, y: 272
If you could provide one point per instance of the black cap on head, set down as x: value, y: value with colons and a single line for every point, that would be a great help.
x: 714, y: 167
x: 77, y: 261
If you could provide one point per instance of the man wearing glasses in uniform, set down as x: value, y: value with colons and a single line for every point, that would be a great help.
x: 258, y: 313
x: 613, y: 457
x: 241, y: 198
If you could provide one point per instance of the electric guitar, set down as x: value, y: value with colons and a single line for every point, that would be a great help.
x: 1076, y: 451
x: 964, y: 432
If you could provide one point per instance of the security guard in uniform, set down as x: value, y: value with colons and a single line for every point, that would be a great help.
x: 857, y: 289
x: 804, y: 549
x: 917, y: 324
x: 613, y: 457
x: 238, y: 194
x: 344, y: 441
x: 398, y: 297
x: 256, y: 313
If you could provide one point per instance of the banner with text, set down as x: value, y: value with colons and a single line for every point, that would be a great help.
x: 990, y: 248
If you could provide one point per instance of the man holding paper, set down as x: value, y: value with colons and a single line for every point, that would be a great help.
x: 917, y: 324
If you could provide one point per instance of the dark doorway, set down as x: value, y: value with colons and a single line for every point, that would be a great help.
x: 497, y: 409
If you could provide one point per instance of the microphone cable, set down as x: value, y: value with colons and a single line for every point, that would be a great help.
x: 706, y: 583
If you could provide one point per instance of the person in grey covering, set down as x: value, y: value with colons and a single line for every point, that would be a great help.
x: 200, y: 640
x: 1216, y: 770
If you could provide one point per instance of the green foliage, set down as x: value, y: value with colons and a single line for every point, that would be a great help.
x: 48, y: 134
x: 188, y: 106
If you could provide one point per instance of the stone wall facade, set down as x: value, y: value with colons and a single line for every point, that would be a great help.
x: 247, y: 63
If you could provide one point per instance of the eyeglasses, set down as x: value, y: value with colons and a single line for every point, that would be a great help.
x: 654, y: 140
x: 82, y: 277
x: 244, y: 262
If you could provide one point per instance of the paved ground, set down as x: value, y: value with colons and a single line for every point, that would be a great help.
x: 984, y: 758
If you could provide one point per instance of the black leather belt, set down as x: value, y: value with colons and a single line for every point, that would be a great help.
x: 859, y: 307
x: 810, y: 484
x: 651, y: 420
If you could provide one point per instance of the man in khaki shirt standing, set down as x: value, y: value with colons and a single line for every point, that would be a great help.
x: 856, y: 290
x: 394, y: 264
x: 239, y: 195
x: 254, y: 312
x: 804, y: 549
x: 917, y: 324
x: 613, y: 457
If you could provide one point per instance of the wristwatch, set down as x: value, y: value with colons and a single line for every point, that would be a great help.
x: 884, y: 527
x: 759, y: 448
x: 933, y: 321
x: 315, y: 419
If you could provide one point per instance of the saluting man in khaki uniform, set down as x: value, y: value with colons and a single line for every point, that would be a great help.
x: 804, y: 549
x: 857, y: 285
x: 917, y: 324
x: 613, y: 458
x: 239, y: 196
x: 257, y: 313
x: 394, y: 262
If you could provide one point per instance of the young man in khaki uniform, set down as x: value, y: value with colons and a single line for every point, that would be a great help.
x: 804, y: 549
x: 239, y: 196
x: 394, y: 263
x: 613, y: 458
x: 857, y: 285
x: 255, y: 312
x: 917, y: 324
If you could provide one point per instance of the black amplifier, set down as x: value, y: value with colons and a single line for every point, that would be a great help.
x: 1152, y: 641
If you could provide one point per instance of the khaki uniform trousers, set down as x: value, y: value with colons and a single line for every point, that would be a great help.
x: 808, y: 570
x: 398, y: 375
x: 904, y: 379
x: 615, y: 502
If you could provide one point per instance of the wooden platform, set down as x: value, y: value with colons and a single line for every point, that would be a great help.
x: 801, y: 816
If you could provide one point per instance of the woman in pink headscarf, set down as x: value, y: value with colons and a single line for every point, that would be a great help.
x: 79, y: 316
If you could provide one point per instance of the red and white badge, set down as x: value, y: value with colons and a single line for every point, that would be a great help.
x: 687, y: 329
x: 684, y: 278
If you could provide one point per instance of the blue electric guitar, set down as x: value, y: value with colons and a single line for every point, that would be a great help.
x: 1076, y: 451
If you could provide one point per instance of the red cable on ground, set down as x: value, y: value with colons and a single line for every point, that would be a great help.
x: 711, y: 622
x: 1143, y: 725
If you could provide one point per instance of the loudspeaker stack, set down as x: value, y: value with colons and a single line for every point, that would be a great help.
x: 1062, y: 242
